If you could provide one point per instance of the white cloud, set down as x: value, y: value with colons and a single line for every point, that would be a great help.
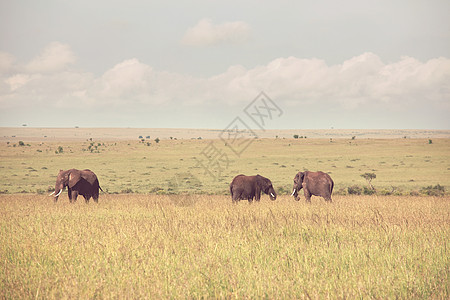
x: 55, y: 57
x: 17, y: 81
x: 6, y: 62
x: 205, y: 33
x: 295, y: 83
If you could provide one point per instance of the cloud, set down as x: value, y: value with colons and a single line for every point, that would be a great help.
x: 205, y: 33
x: 55, y: 57
x: 359, y: 83
x: 6, y: 62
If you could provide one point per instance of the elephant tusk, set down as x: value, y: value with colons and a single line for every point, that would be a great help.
x: 293, y: 192
x: 52, y: 193
x: 273, y: 196
x: 58, y: 193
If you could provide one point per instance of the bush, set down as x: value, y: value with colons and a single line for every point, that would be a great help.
x: 354, y: 190
x: 40, y: 191
x: 21, y: 143
x: 284, y: 190
x: 437, y: 190
x: 368, y: 191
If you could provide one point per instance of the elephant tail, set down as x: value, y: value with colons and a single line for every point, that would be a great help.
x: 102, y: 189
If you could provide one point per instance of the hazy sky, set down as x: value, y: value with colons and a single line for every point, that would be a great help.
x: 198, y: 64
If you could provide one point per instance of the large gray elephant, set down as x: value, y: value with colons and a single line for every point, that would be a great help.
x: 248, y: 187
x: 78, y: 182
x: 313, y: 183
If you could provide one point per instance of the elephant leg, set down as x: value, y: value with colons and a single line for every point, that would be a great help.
x: 74, y: 196
x: 86, y: 198
x: 307, y: 195
x: 69, y: 193
x: 95, y: 197
x: 328, y: 198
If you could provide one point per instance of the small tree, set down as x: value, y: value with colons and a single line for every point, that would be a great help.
x: 369, y: 177
x: 295, y: 136
x: 157, y: 140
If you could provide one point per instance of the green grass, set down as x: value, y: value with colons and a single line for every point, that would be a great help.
x: 196, y: 244
x: 406, y: 164
x: 149, y: 246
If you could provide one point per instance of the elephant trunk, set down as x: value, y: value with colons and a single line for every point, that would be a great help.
x: 57, y: 192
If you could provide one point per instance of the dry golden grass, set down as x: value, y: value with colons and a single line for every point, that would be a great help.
x: 201, y: 246
x: 150, y: 246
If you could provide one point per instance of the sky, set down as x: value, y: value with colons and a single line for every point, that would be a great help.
x: 201, y: 63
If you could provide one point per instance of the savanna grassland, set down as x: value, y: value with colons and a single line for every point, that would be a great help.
x: 149, y: 246
x: 402, y: 165
x: 149, y: 238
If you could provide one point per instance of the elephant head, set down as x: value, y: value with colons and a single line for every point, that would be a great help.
x: 266, y: 186
x: 298, y: 185
x: 65, y: 178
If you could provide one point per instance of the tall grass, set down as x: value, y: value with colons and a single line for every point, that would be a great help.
x: 149, y: 246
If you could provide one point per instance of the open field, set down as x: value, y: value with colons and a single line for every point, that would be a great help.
x: 149, y: 246
x: 401, y: 165
x: 124, y: 134
x: 167, y: 227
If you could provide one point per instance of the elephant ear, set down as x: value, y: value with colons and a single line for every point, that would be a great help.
x: 74, y: 177
x: 299, y: 177
x: 264, y: 183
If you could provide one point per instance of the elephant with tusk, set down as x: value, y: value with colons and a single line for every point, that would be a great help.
x: 78, y: 182
x: 313, y: 183
x: 248, y: 187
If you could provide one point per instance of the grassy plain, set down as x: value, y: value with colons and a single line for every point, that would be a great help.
x: 159, y: 242
x: 151, y: 247
x: 404, y: 165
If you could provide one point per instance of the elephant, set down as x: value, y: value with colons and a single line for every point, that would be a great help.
x: 78, y: 182
x: 313, y: 183
x: 248, y: 187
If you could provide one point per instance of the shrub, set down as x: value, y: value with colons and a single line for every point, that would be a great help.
x: 295, y: 136
x: 354, y: 190
x: 368, y: 191
x: 40, y: 191
x: 127, y: 191
x: 21, y: 143
x: 437, y: 190
x: 341, y: 192
x: 284, y: 190
x: 157, y: 140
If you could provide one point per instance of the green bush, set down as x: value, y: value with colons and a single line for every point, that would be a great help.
x: 368, y: 191
x: 437, y: 190
x: 354, y: 190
